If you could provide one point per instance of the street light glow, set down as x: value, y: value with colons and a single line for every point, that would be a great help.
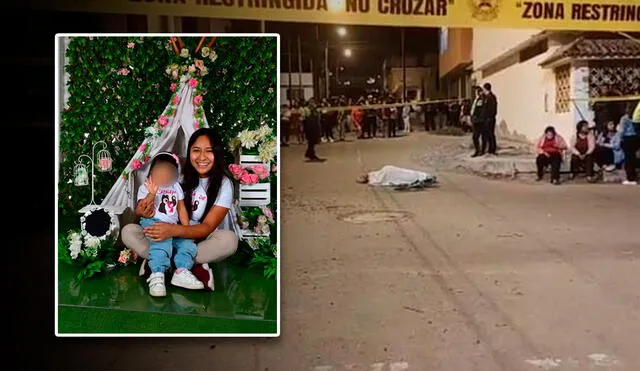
x: 342, y: 31
x: 347, y: 53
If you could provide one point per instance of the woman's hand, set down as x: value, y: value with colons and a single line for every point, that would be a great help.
x: 160, y: 231
x: 145, y: 209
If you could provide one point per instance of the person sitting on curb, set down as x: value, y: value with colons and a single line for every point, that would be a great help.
x: 583, y: 144
x: 609, y: 154
x: 550, y: 148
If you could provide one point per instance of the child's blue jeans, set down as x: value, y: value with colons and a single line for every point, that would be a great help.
x: 160, y: 252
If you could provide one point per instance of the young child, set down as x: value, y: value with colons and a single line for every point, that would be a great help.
x: 162, y: 189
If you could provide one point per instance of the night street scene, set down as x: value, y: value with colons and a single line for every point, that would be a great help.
x: 450, y: 199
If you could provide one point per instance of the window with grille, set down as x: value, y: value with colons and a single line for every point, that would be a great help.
x: 563, y: 88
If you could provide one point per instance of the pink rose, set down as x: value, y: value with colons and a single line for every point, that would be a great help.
x: 267, y: 212
x: 176, y: 99
x: 131, y: 45
x: 249, y: 179
x: 146, y: 159
x: 173, y: 86
x: 236, y: 170
x: 123, y: 257
x: 261, y: 171
x: 274, y: 168
x: 199, y: 63
x: 136, y: 164
x: 197, y: 100
x: 143, y: 147
x: 193, y: 83
x: 163, y: 121
x: 196, y: 125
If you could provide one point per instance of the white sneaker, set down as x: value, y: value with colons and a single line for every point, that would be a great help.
x: 610, y: 168
x: 628, y: 182
x: 156, y: 284
x: 185, y: 279
x: 331, y: 140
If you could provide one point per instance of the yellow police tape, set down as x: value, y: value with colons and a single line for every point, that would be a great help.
x: 438, y: 101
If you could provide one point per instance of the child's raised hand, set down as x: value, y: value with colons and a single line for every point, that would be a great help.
x: 152, y: 187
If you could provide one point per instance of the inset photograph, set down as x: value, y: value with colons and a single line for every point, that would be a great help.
x: 167, y: 185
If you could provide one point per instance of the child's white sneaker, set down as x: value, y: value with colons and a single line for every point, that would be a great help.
x: 156, y: 284
x: 629, y: 182
x: 185, y: 279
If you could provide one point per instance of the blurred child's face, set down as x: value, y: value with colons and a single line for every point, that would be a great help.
x: 549, y: 134
x: 164, y: 174
x: 611, y: 126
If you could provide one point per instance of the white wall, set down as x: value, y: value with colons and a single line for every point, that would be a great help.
x: 521, y: 91
x: 489, y: 43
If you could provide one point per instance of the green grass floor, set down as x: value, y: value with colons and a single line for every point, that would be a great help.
x: 118, y: 302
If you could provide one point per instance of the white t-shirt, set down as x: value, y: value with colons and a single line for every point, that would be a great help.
x: 166, y: 202
x: 199, y: 200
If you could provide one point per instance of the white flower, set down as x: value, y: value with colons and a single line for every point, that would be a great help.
x: 192, y: 69
x: 265, y: 229
x: 74, y: 249
x: 248, y: 139
x: 184, y: 78
x: 174, y: 74
x: 267, y: 151
x: 263, y: 132
x: 91, y: 241
x: 206, y: 51
x: 213, y: 56
x: 204, y: 71
x: 168, y: 71
x: 184, y: 53
x: 75, y: 236
x: 262, y: 219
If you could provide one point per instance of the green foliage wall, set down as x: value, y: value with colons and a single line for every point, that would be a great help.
x: 118, y: 87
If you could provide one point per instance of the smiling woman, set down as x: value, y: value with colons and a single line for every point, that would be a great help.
x: 208, y: 195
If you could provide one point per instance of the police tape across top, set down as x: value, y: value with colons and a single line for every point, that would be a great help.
x: 628, y: 98
x: 575, y: 15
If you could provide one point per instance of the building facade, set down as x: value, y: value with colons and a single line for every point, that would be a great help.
x: 295, y: 87
x: 544, y: 78
x: 455, y: 62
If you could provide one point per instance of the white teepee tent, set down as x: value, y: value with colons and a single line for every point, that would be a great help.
x: 172, y: 138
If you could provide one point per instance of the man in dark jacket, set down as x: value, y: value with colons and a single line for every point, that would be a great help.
x: 312, y: 131
x: 489, y: 112
x: 477, y: 122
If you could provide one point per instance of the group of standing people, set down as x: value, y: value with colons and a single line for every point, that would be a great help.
x: 313, y: 122
x: 481, y: 115
x: 614, y: 146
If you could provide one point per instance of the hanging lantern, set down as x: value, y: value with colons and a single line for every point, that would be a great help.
x: 104, y: 161
x: 80, y: 175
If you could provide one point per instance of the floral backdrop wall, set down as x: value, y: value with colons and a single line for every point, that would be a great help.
x: 119, y: 86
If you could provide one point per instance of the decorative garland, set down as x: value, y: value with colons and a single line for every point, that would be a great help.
x: 93, y: 247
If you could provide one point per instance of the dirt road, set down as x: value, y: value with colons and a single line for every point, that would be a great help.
x: 474, y: 275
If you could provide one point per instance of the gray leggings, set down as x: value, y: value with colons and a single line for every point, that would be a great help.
x: 218, y: 246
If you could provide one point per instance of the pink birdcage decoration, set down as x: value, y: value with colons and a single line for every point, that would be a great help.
x: 105, y: 163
